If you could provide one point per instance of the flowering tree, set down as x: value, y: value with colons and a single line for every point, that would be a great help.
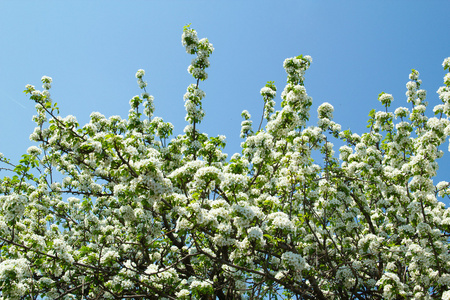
x: 120, y: 209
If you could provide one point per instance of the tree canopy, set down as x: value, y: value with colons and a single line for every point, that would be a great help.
x: 122, y: 209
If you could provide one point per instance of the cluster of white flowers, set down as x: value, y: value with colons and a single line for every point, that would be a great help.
x: 19, y: 267
x: 446, y: 63
x: 268, y: 92
x: 296, y: 67
x: 46, y: 82
x: 189, y: 39
x: 33, y: 150
x: 255, y: 233
x: 281, y: 221
x: 246, y: 125
x: 446, y: 295
x: 207, y: 178
x: 184, y: 293
x: 392, y: 286
x: 63, y: 250
x: 193, y: 98
x: 13, y: 278
x: 385, y: 99
x: 139, y: 74
x: 383, y: 121
x: 293, y: 261
x: 203, y: 48
x: 401, y: 112
x: 201, y: 286
x: 325, y: 110
x: 13, y: 207
x: 296, y: 96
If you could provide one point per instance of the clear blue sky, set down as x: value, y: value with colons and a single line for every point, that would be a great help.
x: 92, y: 50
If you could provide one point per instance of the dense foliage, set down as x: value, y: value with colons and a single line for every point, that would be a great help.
x: 121, y: 209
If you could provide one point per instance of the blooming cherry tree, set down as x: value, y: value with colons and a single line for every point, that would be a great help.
x: 122, y: 209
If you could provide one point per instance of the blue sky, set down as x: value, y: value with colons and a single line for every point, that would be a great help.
x: 92, y: 49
